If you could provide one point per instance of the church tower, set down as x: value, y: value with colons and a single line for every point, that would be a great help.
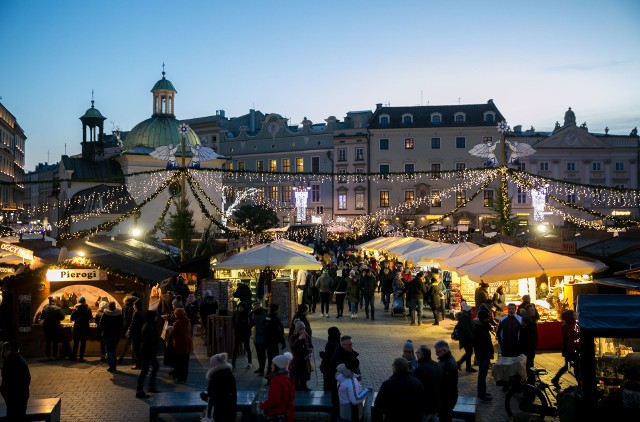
x: 93, y: 126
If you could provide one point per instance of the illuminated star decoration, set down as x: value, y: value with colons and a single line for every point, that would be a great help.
x: 503, y: 127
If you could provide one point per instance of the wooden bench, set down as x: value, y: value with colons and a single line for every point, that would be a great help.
x: 466, y: 408
x: 38, y: 410
x: 190, y: 401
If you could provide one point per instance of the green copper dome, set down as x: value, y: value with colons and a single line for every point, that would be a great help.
x: 92, y: 113
x: 163, y: 84
x: 156, y: 132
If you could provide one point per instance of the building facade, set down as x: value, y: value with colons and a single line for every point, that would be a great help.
x: 12, y: 141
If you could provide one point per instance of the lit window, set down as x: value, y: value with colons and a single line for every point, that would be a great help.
x: 435, y: 143
x: 273, y: 165
x: 286, y: 193
x: 286, y: 165
x: 273, y: 193
x: 342, y: 154
x: 259, y: 165
x: 408, y: 143
x: 488, y: 198
x: 359, y: 200
x: 299, y: 165
x: 461, y: 196
x: 342, y: 201
x: 384, y: 199
x: 435, y: 170
x: 436, y: 202
x: 241, y: 165
x: 409, y: 197
x: 384, y: 143
x: 359, y: 154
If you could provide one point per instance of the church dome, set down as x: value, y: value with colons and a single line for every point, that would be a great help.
x: 164, y: 85
x: 93, y: 113
x: 157, y: 131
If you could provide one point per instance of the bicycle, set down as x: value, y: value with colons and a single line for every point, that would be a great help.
x: 537, y: 398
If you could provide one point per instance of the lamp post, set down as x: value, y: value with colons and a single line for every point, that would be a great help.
x: 184, y: 129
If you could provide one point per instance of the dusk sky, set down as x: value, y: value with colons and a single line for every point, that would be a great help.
x: 315, y: 59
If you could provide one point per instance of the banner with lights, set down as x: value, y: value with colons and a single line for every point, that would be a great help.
x: 16, y: 250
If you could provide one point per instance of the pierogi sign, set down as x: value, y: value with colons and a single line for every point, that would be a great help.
x: 16, y: 250
x: 76, y: 275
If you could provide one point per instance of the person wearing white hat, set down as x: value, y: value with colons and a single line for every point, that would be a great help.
x: 281, y: 394
x: 222, y: 391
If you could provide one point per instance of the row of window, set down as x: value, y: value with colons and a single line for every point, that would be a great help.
x: 409, y: 143
x: 435, y: 118
x: 573, y: 166
x: 435, y: 202
x: 285, y: 165
x: 410, y: 168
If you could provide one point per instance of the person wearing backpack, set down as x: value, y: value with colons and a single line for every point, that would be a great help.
x: 464, y: 328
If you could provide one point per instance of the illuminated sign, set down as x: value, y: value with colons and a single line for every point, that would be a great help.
x: 433, y: 217
x: 17, y: 250
x: 621, y: 213
x: 76, y: 275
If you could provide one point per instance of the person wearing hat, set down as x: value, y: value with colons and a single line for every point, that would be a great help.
x: 52, y: 316
x: 483, y: 348
x: 408, y: 352
x: 300, y: 315
x: 302, y: 351
x: 15, y: 381
x: 81, y: 316
x: 273, y: 333
x: 349, y: 388
x: 221, y: 389
x: 281, y: 394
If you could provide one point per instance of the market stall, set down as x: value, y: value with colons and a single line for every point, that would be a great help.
x: 610, y: 355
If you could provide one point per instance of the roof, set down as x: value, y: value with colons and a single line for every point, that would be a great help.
x: 624, y: 283
x: 163, y: 84
x: 92, y: 200
x: 603, y: 313
x: 474, y: 115
x: 88, y: 169
x: 92, y: 113
x: 157, y: 131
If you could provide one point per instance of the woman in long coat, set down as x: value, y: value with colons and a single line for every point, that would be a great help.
x: 301, y: 349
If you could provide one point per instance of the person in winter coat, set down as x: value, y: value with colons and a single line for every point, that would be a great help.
x: 529, y: 337
x: 509, y: 332
x: 281, y: 395
x: 192, y: 308
x: 369, y: 281
x: 302, y: 350
x: 52, y: 316
x: 127, y: 316
x: 134, y: 332
x: 148, y: 354
x: 482, y: 297
x: 241, y: 333
x: 465, y: 337
x: 111, y: 329
x: 274, y: 334
x: 300, y: 315
x: 449, y: 390
x: 323, y: 283
x: 353, y: 293
x: 342, y: 354
x: 415, y: 295
x: 570, y: 346
x: 499, y: 301
x: 208, y: 306
x: 182, y: 345
x: 434, y: 299
x: 243, y: 293
x: 483, y: 347
x: 401, y: 397
x: 429, y: 373
x: 15, y: 381
x: 333, y: 342
x: 221, y: 389
x: 408, y: 352
x: 351, y: 409
x: 81, y: 317
x: 257, y: 320
x: 313, y: 293
x: 102, y: 307
x: 386, y: 288
x: 340, y: 292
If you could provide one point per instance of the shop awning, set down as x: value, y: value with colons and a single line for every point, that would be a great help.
x: 447, y: 251
x: 609, y: 313
x: 410, y: 246
x: 624, y: 283
x: 477, y: 255
x: 270, y: 255
x: 293, y: 245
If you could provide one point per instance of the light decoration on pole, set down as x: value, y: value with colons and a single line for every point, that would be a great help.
x: 301, y: 194
x: 538, y: 200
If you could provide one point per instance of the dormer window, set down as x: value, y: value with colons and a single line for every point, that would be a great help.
x: 407, y: 119
x: 436, y: 118
x: 489, y: 117
x: 459, y: 118
x: 384, y: 120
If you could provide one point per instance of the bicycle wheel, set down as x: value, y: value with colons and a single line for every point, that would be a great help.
x: 527, y: 399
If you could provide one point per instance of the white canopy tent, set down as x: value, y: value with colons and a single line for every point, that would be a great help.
x: 528, y: 262
x: 409, y: 246
x: 434, y: 255
x: 477, y: 255
x: 270, y: 255
x: 293, y: 245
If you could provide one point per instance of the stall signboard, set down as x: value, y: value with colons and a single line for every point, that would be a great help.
x: 16, y: 250
x: 76, y: 275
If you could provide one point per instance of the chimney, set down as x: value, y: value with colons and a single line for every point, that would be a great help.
x: 378, y: 106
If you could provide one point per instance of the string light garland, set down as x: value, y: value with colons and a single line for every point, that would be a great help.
x: 153, y: 230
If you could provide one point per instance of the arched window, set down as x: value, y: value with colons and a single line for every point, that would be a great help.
x: 459, y: 118
x: 489, y: 117
x: 384, y: 120
x: 436, y: 118
x: 407, y: 119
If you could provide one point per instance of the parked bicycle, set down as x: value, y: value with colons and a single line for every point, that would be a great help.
x: 538, y: 398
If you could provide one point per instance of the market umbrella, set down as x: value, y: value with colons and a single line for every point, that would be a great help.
x: 372, y: 242
x: 270, y: 255
x: 412, y: 245
x: 293, y: 245
x: 447, y: 251
x: 528, y: 262
x: 397, y: 241
x: 382, y: 242
x: 416, y: 254
x: 477, y: 255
